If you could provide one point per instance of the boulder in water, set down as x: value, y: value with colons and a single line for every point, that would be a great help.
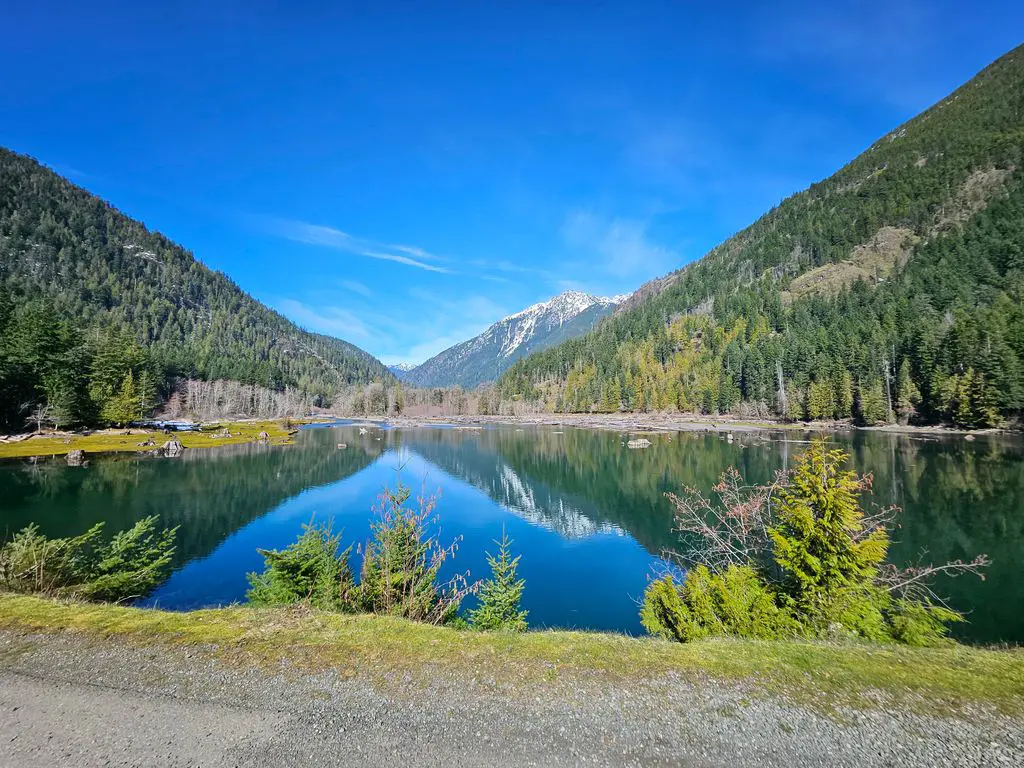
x: 76, y: 458
x: 643, y: 442
x: 172, y: 448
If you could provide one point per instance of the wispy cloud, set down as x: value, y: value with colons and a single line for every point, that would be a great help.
x: 329, y: 237
x: 74, y: 173
x: 878, y: 50
x: 416, y: 330
x: 356, y: 287
x: 452, y: 320
x: 332, y: 320
x: 624, y: 249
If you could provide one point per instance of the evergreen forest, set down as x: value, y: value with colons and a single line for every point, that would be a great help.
x: 100, y: 316
x: 893, y: 290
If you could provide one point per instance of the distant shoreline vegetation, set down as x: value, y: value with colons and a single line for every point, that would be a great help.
x: 226, y: 432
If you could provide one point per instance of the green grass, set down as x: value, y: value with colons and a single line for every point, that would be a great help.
x: 936, y: 680
x: 105, y: 441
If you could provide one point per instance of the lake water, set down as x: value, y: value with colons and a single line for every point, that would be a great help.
x: 587, y: 514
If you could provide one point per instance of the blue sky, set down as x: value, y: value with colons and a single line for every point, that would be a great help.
x: 402, y: 175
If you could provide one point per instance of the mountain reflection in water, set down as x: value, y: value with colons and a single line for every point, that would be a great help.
x: 588, y: 514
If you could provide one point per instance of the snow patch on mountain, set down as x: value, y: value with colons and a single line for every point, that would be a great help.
x: 523, y: 325
x: 486, y: 356
x: 401, y: 369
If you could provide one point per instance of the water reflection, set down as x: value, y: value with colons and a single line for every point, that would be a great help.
x: 588, y: 513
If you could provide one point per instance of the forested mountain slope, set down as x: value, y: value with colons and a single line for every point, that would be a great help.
x: 893, y: 289
x: 74, y: 271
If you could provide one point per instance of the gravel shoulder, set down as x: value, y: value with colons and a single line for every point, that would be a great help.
x: 72, y: 699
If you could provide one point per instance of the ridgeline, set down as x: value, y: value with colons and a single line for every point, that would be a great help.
x: 893, y: 290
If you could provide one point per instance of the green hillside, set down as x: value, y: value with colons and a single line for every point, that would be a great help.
x: 892, y: 290
x: 87, y: 292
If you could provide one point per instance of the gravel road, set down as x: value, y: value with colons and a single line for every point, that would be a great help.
x: 66, y: 700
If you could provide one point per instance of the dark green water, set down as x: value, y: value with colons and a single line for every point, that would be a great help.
x: 588, y: 514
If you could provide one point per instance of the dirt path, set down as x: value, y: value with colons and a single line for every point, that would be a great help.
x: 70, y: 701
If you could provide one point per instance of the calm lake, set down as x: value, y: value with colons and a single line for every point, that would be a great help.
x: 587, y: 514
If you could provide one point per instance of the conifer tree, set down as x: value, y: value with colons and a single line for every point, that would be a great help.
x: 828, y: 559
x: 400, y: 568
x: 820, y: 400
x: 844, y: 395
x: 501, y: 594
x: 146, y: 393
x: 123, y: 408
x: 313, y: 569
x: 871, y: 404
x: 908, y: 396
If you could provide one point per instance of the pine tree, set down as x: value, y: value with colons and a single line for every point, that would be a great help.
x: 963, y: 412
x: 984, y: 411
x: 312, y: 569
x: 147, y: 393
x: 908, y: 396
x: 124, y: 407
x: 844, y: 395
x: 871, y: 405
x: 501, y: 594
x: 829, y: 562
x: 820, y: 400
x: 401, y: 564
x: 795, y: 402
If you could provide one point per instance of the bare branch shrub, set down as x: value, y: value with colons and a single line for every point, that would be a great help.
x: 402, y: 563
x: 731, y: 528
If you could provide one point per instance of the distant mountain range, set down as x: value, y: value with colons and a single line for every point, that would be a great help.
x: 485, y: 357
x: 401, y: 369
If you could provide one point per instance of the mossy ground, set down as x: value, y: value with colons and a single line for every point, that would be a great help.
x: 937, y: 680
x: 212, y: 435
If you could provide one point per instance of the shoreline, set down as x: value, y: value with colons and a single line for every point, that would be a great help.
x: 138, y: 440
x: 281, y: 431
x: 641, y: 423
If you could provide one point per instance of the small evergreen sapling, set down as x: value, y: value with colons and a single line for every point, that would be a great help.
x: 128, y: 566
x: 829, y: 554
x: 501, y: 594
x: 312, y: 569
x: 399, y: 576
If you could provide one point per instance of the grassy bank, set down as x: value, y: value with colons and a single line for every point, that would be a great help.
x: 103, y: 441
x: 939, y: 680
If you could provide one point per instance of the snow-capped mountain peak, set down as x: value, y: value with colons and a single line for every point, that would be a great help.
x: 565, y: 305
x: 401, y: 369
x: 516, y: 329
x: 535, y: 328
